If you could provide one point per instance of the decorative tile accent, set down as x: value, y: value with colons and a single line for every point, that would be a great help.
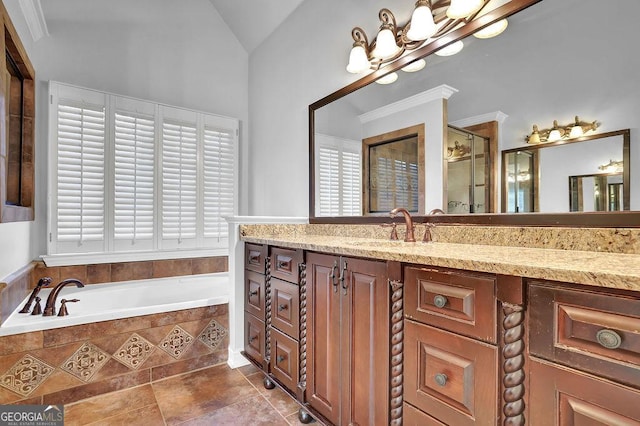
x: 212, y: 334
x: 86, y: 361
x: 134, y: 351
x: 176, y: 342
x: 26, y: 375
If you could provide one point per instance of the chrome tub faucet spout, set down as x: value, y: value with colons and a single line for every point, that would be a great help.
x: 50, y: 307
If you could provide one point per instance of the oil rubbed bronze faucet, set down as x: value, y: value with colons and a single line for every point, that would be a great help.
x: 50, y: 307
x: 42, y: 282
x: 408, y: 236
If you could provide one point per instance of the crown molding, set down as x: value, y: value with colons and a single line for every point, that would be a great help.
x: 32, y: 11
x: 498, y: 116
x: 443, y: 91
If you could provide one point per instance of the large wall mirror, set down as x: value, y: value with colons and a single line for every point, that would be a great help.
x: 553, y: 62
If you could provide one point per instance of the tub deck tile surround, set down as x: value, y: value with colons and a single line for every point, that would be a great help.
x: 62, y: 365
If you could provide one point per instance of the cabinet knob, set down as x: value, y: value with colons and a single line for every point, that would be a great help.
x: 282, y: 307
x: 608, y: 339
x: 279, y: 358
x: 252, y: 339
x: 441, y: 379
x: 253, y: 293
x: 440, y: 301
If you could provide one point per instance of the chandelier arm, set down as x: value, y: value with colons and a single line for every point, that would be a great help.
x: 387, y: 19
x: 360, y: 37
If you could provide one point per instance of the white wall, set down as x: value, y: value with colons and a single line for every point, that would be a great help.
x: 174, y: 52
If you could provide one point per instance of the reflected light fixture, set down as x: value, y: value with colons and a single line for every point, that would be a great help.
x: 430, y: 20
x: 451, y: 49
x: 462, y: 8
x: 612, y: 167
x: 415, y: 66
x: 574, y: 130
x: 387, y: 79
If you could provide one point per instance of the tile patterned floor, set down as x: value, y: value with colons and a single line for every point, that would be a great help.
x: 213, y: 396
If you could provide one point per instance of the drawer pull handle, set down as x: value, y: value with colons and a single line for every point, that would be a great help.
x: 440, y: 301
x: 253, y: 293
x: 252, y: 339
x: 609, y: 339
x: 282, y: 307
x: 279, y: 358
x: 441, y: 379
x: 333, y: 276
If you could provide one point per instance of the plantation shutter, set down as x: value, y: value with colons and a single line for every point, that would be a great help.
x: 329, y: 181
x: 179, y: 183
x: 219, y: 180
x: 79, y: 206
x: 134, y: 160
x: 351, y: 184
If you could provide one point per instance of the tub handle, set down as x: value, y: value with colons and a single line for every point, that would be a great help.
x: 63, y: 306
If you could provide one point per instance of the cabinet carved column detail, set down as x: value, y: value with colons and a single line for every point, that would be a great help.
x: 267, y: 309
x: 302, y: 384
x: 513, y: 365
x: 397, y: 348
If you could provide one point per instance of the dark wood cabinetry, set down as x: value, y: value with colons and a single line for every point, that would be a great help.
x: 348, y: 356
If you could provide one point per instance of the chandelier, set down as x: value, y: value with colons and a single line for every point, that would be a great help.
x: 430, y: 20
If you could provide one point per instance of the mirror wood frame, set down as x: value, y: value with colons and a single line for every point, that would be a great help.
x: 590, y: 219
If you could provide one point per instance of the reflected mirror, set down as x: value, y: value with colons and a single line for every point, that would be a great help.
x: 553, y: 62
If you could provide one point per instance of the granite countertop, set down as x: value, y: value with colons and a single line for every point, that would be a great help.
x: 612, y: 270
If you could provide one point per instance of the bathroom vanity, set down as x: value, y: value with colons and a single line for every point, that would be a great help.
x: 363, y: 330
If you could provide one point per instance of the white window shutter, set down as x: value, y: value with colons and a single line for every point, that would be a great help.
x: 329, y: 180
x: 351, y: 184
x: 218, y: 180
x: 179, y: 183
x: 80, y: 176
x: 134, y: 161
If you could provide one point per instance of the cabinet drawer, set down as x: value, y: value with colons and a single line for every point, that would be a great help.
x: 254, y: 288
x: 456, y: 301
x: 254, y: 257
x: 254, y: 334
x: 594, y: 332
x: 411, y: 416
x: 285, y: 307
x: 561, y: 396
x: 450, y: 377
x: 284, y: 264
x: 284, y: 359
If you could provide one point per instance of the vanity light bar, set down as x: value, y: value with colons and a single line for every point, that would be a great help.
x: 574, y: 130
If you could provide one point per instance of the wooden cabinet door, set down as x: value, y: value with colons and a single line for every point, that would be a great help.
x: 365, y: 342
x: 324, y: 391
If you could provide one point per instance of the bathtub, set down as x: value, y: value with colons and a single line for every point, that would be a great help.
x: 109, y: 301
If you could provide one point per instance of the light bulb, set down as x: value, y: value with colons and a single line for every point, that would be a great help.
x: 463, y: 8
x: 492, y: 30
x: 386, y: 46
x: 422, y: 24
x: 358, y: 61
x: 451, y: 49
x: 387, y: 79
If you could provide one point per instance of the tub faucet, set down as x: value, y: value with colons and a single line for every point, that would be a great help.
x: 436, y: 211
x: 408, y: 236
x: 50, y: 307
x: 42, y: 282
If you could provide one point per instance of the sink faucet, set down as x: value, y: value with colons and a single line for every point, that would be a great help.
x: 436, y: 211
x: 42, y: 282
x: 50, y: 307
x: 408, y: 236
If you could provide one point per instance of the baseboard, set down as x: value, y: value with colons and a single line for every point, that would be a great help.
x: 236, y: 359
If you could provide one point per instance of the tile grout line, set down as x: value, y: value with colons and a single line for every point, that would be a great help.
x: 267, y: 399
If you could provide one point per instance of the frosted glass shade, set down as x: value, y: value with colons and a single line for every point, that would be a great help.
x: 415, y: 66
x: 387, y: 79
x: 422, y: 24
x: 576, y: 131
x: 358, y: 61
x: 463, y: 8
x: 554, y: 135
x: 492, y: 30
x: 451, y: 49
x: 386, y: 46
